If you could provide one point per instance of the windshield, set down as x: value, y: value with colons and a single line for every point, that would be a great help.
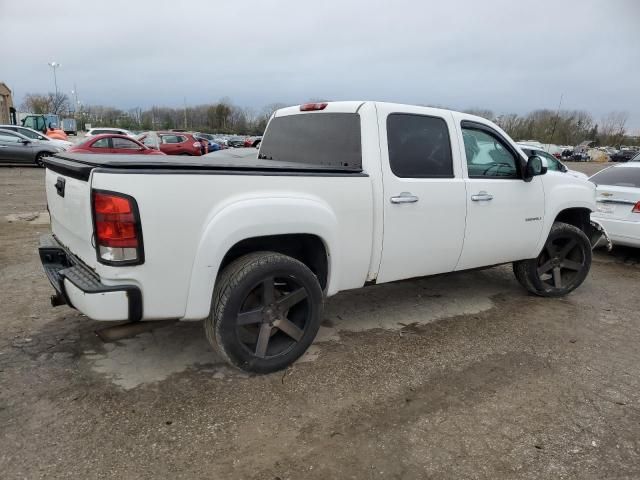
x: 320, y: 139
x: 618, y: 177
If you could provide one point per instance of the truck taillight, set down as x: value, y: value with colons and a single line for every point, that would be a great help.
x: 117, y: 230
x: 310, y: 107
x: 636, y: 208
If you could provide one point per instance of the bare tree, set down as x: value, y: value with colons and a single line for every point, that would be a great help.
x: 481, y: 112
x: 36, y: 103
x: 59, y: 103
x: 613, y: 128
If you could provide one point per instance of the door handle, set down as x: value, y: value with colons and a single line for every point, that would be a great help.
x: 404, y: 197
x: 3, y: 146
x: 482, y: 197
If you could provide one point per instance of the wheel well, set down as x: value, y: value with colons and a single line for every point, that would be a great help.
x: 309, y: 249
x: 578, y: 217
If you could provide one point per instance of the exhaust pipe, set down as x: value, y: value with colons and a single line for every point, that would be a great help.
x: 57, y: 300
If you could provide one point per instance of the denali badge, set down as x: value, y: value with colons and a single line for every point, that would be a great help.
x: 532, y: 219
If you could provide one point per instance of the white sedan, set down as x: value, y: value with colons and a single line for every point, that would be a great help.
x: 618, y: 202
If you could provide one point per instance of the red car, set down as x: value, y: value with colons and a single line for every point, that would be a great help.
x: 174, y: 143
x: 112, y: 143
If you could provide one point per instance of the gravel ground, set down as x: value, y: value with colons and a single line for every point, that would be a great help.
x: 455, y: 376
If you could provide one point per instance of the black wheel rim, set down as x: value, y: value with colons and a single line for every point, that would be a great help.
x: 273, y: 317
x: 561, y: 263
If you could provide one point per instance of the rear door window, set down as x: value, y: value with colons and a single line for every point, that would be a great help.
x: 314, y: 139
x: 419, y: 146
x: 618, y: 177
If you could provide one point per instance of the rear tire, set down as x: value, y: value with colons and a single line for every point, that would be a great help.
x: 266, y: 311
x: 561, y: 267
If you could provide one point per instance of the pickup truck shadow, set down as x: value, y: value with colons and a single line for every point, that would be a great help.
x: 619, y: 254
x: 153, y: 356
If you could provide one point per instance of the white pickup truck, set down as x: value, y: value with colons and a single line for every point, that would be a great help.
x: 339, y: 196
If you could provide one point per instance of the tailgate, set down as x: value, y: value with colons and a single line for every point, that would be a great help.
x: 69, y: 202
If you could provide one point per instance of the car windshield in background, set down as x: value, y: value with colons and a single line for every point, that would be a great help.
x: 320, y: 139
x: 618, y: 177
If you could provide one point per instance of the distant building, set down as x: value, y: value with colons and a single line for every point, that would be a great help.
x: 7, y: 112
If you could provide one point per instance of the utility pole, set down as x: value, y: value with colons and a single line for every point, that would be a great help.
x: 185, y: 113
x: 557, y: 118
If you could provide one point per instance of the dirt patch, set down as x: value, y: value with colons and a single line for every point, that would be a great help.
x: 457, y: 376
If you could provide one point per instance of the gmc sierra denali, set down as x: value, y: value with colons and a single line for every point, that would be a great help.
x: 340, y: 195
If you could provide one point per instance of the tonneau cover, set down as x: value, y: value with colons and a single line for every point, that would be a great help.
x: 231, y: 159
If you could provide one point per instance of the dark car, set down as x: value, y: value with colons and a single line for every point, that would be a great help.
x: 236, y: 142
x: 623, y: 155
x: 17, y: 148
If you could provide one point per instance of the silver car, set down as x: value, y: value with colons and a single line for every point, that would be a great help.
x: 35, y: 135
x: 17, y: 148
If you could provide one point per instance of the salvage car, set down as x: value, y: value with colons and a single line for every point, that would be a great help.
x: 174, y: 143
x: 340, y: 195
x: 623, y: 155
x: 18, y: 148
x: 114, y: 144
x: 618, y: 202
x: 35, y: 135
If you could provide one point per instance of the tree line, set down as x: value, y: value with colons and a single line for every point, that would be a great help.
x: 564, y: 127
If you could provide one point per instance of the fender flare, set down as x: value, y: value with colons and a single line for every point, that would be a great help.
x: 240, y: 219
x: 550, y: 219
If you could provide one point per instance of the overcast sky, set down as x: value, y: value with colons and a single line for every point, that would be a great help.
x: 504, y: 55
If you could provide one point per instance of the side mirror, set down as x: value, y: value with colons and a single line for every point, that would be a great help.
x: 563, y: 168
x: 26, y: 142
x: 535, y: 166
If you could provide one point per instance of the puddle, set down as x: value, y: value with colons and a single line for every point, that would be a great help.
x: 153, y: 356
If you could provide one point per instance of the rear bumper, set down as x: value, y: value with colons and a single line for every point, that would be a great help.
x: 79, y: 287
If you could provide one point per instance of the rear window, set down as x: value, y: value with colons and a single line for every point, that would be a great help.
x: 618, y: 177
x: 173, y: 138
x: 322, y: 139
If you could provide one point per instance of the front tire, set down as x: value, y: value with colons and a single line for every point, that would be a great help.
x: 266, y: 311
x: 561, y: 267
x: 40, y: 159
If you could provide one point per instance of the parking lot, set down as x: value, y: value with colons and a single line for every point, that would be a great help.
x: 454, y: 376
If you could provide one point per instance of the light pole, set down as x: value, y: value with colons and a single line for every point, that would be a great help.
x: 55, y: 65
x: 74, y: 92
